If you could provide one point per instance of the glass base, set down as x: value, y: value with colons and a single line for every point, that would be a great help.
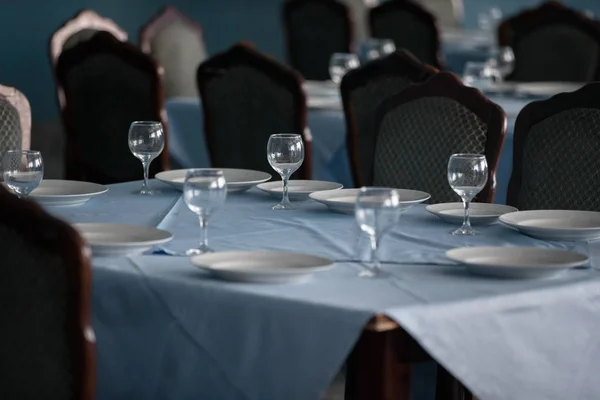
x: 465, y: 231
x: 282, y: 206
x: 198, y: 251
x: 147, y: 192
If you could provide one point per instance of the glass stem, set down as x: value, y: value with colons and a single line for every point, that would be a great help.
x: 284, y: 198
x: 203, y: 232
x: 467, y: 220
x: 374, y: 258
x: 146, y: 165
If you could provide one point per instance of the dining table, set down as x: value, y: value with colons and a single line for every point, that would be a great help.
x: 166, y: 329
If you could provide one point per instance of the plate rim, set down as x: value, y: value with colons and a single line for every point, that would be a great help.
x: 66, y: 196
x: 168, y: 237
x: 430, y: 208
x: 315, y: 195
x: 261, y: 186
x: 229, y: 184
x: 517, y: 226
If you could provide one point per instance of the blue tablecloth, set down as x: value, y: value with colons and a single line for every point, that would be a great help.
x: 167, y: 330
x: 330, y: 159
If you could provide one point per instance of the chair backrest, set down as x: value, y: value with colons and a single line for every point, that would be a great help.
x: 556, y: 162
x: 246, y: 97
x: 422, y: 126
x: 552, y: 43
x: 315, y: 29
x: 363, y: 91
x: 410, y: 26
x: 108, y: 84
x: 449, y: 13
x: 15, y: 120
x: 47, y: 343
x: 177, y: 43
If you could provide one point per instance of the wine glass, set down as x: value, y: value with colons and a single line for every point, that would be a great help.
x: 503, y: 60
x: 373, y: 49
x: 23, y: 171
x: 377, y: 211
x: 467, y: 175
x: 340, y: 64
x: 479, y: 75
x: 285, y: 153
x: 204, y: 191
x: 146, y: 142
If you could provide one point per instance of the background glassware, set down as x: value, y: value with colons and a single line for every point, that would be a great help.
x: 340, y: 64
x: 502, y: 59
x: 479, y: 75
x: 377, y: 211
x: 204, y: 191
x: 373, y: 49
x: 23, y: 171
x: 467, y: 176
x: 146, y: 142
x: 285, y: 152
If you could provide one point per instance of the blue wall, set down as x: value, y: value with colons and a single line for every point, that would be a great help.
x: 27, y: 25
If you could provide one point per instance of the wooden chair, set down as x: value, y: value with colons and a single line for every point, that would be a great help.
x: 419, y: 129
x: 15, y: 120
x: 108, y: 84
x: 47, y: 345
x: 363, y: 90
x: 410, y: 26
x: 177, y: 43
x: 315, y: 29
x: 246, y: 97
x: 556, y: 160
x: 552, y: 43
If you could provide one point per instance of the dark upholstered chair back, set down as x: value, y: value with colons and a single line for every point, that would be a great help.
x: 552, y: 43
x: 556, y: 162
x: 315, y: 30
x: 108, y: 84
x: 46, y: 340
x: 410, y: 26
x: 246, y: 97
x: 15, y: 120
x: 422, y: 126
x: 363, y: 91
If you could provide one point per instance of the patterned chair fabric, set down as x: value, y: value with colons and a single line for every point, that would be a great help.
x: 553, y: 43
x: 315, y: 30
x: 246, y: 98
x: 410, y: 26
x: 10, y: 128
x: 421, y: 127
x: 557, y: 153
x: 363, y: 91
x: 108, y: 85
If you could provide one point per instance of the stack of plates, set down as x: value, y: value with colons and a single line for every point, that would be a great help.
x: 555, y: 224
x: 344, y: 200
x: 52, y: 192
x: 238, y: 180
x: 479, y: 213
x: 298, y: 190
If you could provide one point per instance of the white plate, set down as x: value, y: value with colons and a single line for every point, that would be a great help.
x: 343, y: 200
x: 115, y: 240
x: 480, y: 213
x: 321, y: 88
x: 261, y: 266
x: 298, y: 189
x: 547, y: 88
x: 238, y: 180
x: 555, y: 224
x: 516, y: 262
x: 326, y: 103
x: 55, y: 192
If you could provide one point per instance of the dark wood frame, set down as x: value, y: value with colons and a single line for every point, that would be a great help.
x: 165, y: 16
x: 400, y: 63
x: 537, y: 111
x: 42, y: 230
x: 448, y: 85
x: 244, y: 53
x: 511, y: 30
x: 18, y: 100
x: 104, y: 42
x: 335, y: 6
x: 418, y: 11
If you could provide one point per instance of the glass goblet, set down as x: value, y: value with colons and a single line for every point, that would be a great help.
x: 285, y: 152
x: 340, y: 64
x: 23, y: 171
x: 373, y: 49
x: 204, y: 191
x: 146, y: 142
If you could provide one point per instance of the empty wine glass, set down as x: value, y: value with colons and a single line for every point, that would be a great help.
x: 373, y: 49
x: 340, y: 64
x: 479, y: 75
x: 467, y: 175
x: 285, y: 152
x: 377, y: 211
x: 204, y: 191
x: 146, y: 142
x: 23, y: 171
x: 503, y: 60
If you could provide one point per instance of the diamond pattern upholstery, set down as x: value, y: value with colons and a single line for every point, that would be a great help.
x: 561, y: 163
x: 416, y: 139
x: 315, y: 31
x: 10, y: 128
x: 35, y: 358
